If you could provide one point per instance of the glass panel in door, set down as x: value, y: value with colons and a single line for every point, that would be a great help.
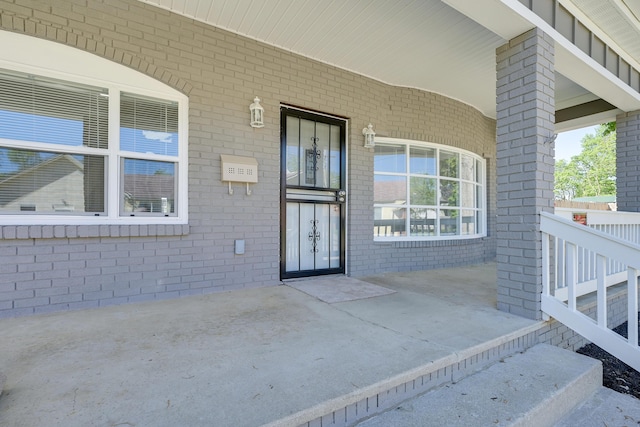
x: 314, y: 236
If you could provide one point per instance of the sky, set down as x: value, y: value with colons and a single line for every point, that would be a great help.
x: 568, y: 144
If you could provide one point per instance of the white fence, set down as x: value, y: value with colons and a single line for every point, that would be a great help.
x: 579, y: 259
x: 623, y: 225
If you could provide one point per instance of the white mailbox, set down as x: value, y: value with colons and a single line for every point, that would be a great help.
x: 239, y: 169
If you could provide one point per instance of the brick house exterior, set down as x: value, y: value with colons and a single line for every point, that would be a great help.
x: 58, y: 267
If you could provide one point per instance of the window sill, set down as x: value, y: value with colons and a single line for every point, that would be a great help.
x: 13, y: 232
x: 452, y: 238
x: 430, y: 243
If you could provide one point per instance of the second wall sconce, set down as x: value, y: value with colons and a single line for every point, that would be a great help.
x: 257, y: 113
x: 369, y: 136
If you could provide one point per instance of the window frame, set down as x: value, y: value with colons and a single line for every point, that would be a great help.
x: 79, y: 67
x: 480, y: 189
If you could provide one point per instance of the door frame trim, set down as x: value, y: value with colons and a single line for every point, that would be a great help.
x: 286, y: 110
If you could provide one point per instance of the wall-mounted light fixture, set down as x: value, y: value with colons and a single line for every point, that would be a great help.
x: 257, y: 113
x: 369, y: 136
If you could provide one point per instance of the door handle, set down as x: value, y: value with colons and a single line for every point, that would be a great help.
x: 341, y: 196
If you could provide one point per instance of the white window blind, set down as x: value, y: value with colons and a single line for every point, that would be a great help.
x: 148, y: 125
x: 88, y: 141
x: 149, y: 142
x: 53, y: 139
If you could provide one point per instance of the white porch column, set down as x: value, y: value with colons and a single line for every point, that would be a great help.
x: 628, y: 161
x: 525, y: 167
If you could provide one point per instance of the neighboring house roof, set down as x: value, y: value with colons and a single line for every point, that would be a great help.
x: 390, y: 192
x: 598, y: 199
x: 45, y: 164
x: 149, y: 187
x: 53, y: 184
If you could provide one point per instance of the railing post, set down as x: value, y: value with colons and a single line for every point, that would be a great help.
x: 546, y: 285
x: 572, y: 274
x: 601, y: 280
x: 632, y: 318
x: 546, y: 270
x: 560, y: 250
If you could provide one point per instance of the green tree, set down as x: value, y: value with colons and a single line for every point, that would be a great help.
x: 609, y: 127
x: 423, y: 191
x: 24, y: 159
x: 566, y: 180
x: 593, y: 171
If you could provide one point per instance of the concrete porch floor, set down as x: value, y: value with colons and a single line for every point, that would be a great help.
x: 242, y: 358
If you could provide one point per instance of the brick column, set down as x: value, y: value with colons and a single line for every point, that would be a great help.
x: 525, y: 165
x: 628, y: 161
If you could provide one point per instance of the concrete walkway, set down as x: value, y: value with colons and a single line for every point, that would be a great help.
x: 243, y: 358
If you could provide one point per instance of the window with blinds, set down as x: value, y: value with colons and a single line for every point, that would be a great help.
x: 148, y: 129
x: 55, y: 139
x: 57, y: 156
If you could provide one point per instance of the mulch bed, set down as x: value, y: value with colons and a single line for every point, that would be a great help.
x: 617, y: 376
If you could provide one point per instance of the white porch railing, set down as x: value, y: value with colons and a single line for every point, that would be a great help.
x: 578, y: 260
x: 624, y: 225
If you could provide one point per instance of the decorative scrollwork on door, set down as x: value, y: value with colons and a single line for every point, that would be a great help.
x: 316, y: 150
x: 314, y: 235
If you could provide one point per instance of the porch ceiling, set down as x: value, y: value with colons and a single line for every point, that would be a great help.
x: 424, y: 44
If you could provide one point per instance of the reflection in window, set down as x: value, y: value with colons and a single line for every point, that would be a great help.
x: 313, y: 154
x: 449, y: 191
x: 434, y: 192
x: 44, y: 182
x: 423, y: 222
x: 469, y: 222
x: 390, y: 221
x: 37, y: 109
x: 467, y: 169
x: 390, y: 190
x: 148, y: 125
x: 149, y: 187
x: 423, y: 161
x: 449, y: 164
x: 389, y: 158
x: 449, y: 222
x: 55, y: 150
x: 423, y: 190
